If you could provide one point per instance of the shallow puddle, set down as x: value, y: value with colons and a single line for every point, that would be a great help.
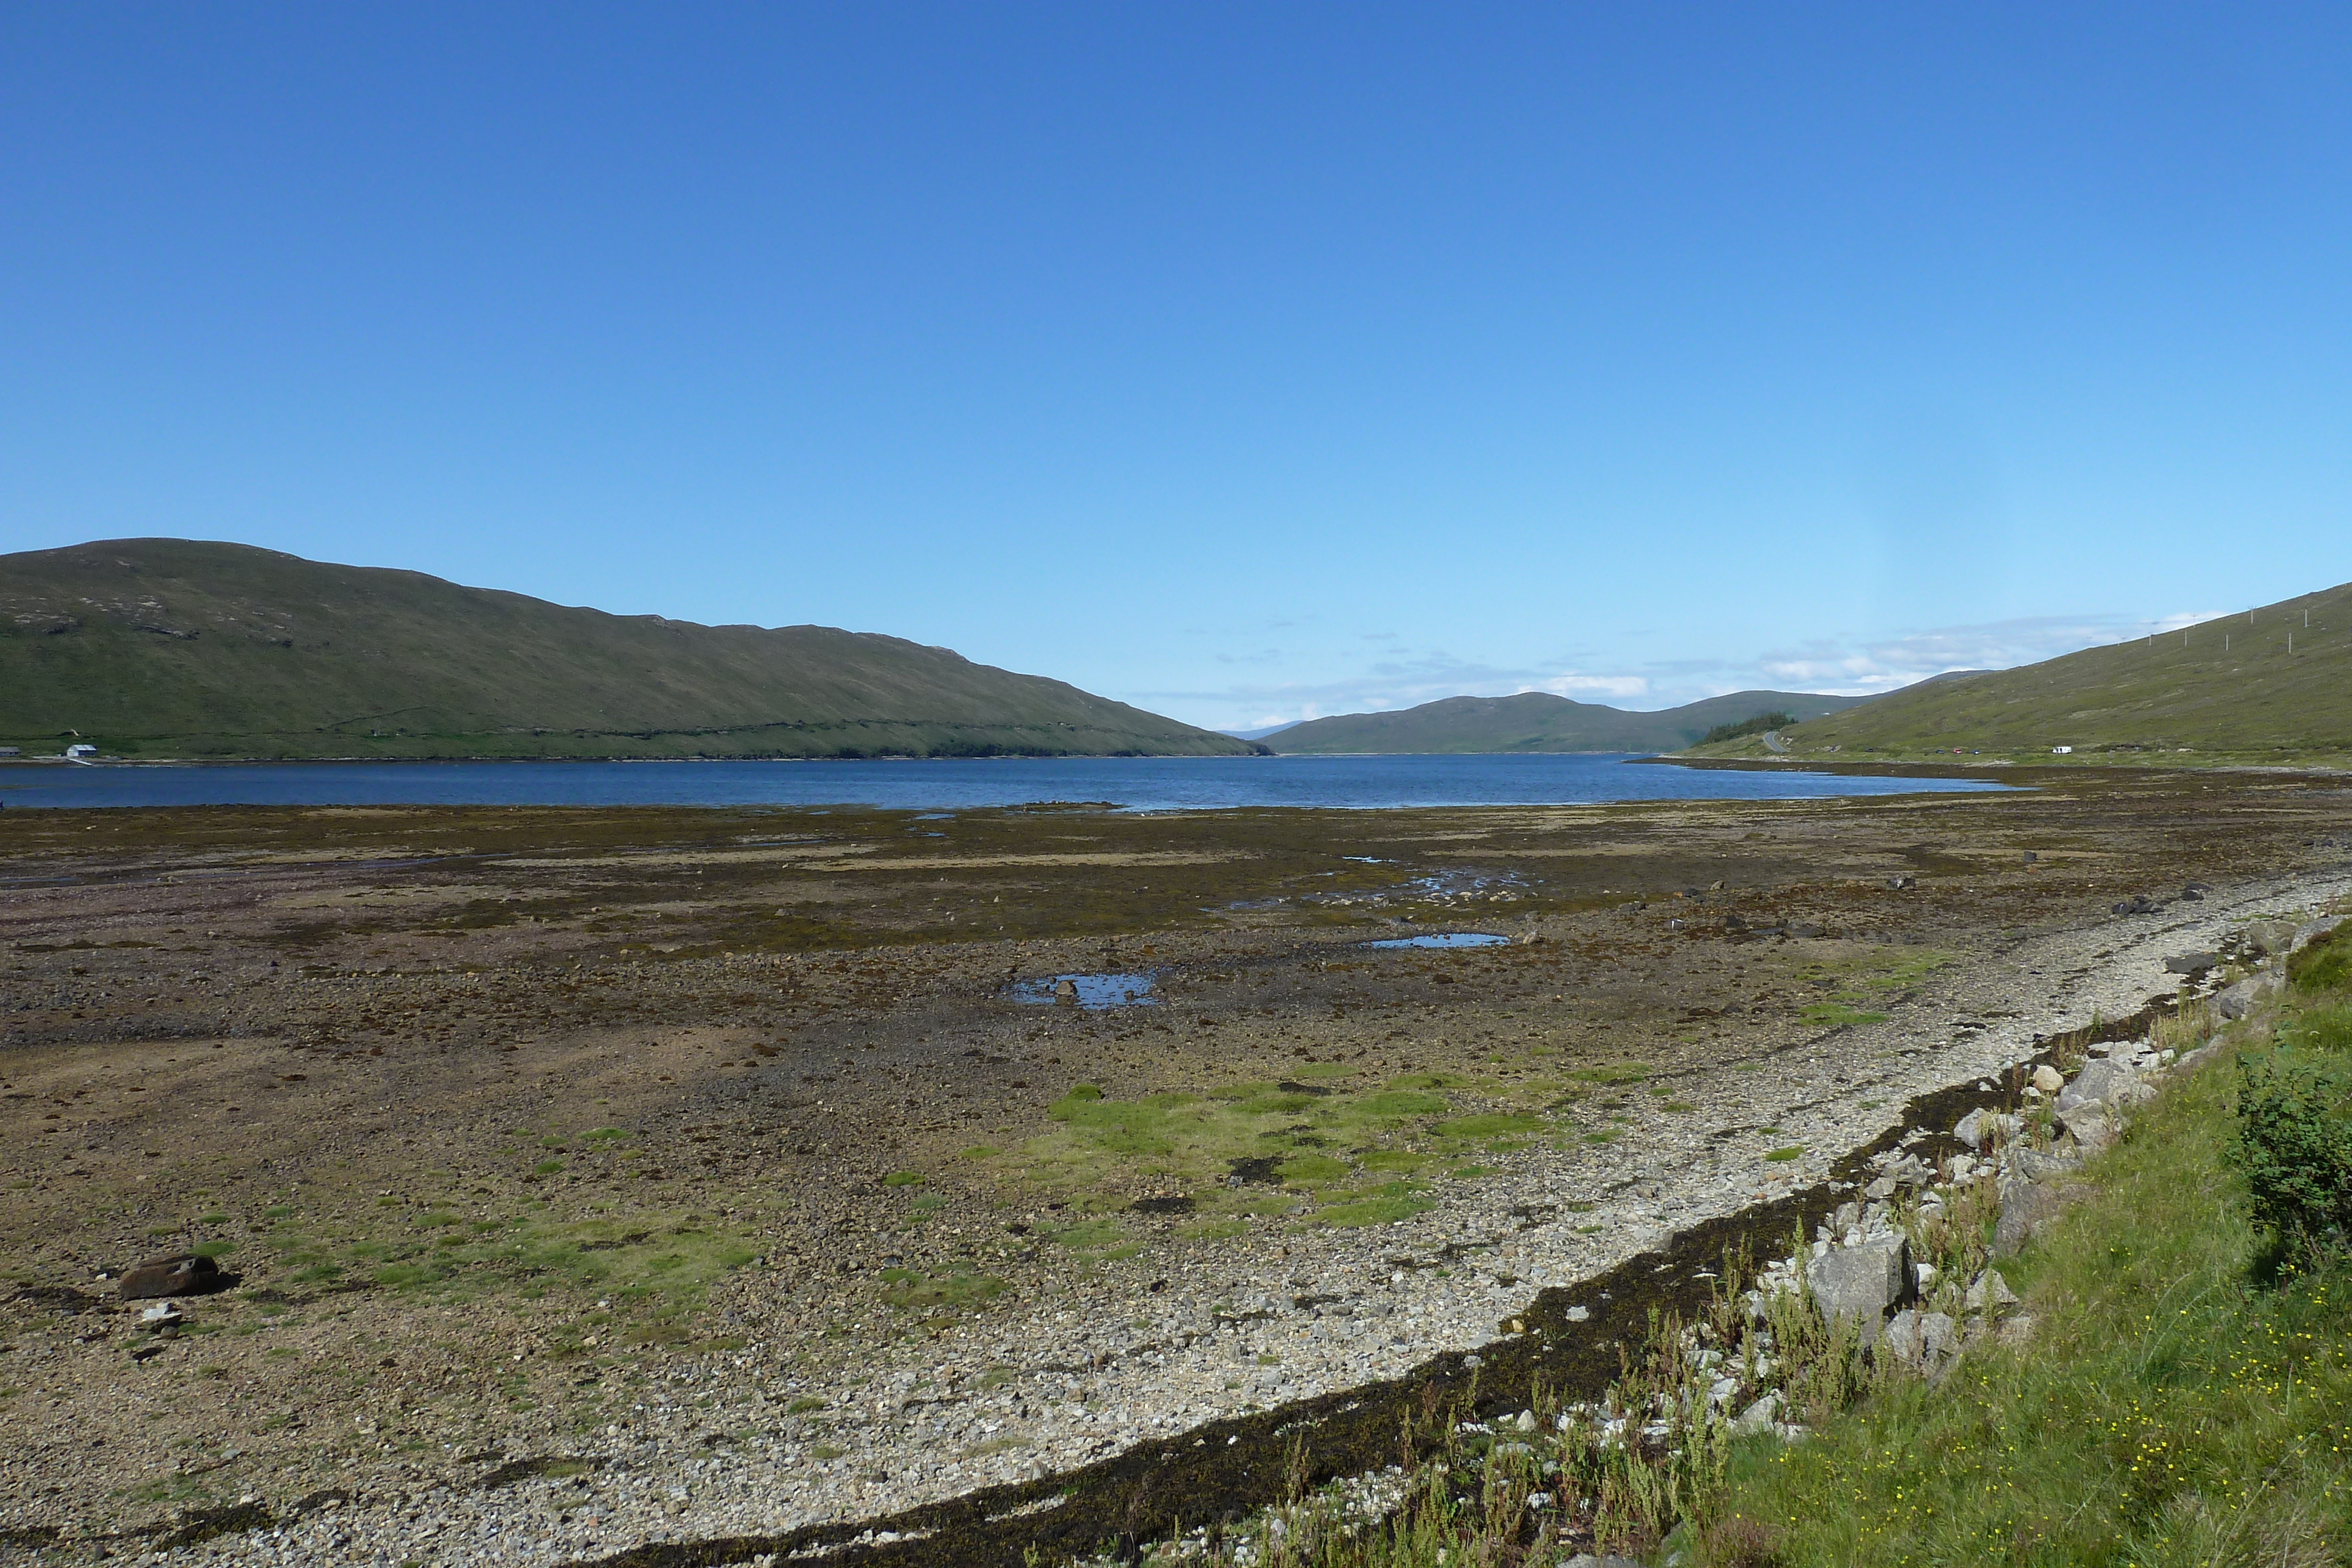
x: 1093, y: 992
x: 1444, y: 939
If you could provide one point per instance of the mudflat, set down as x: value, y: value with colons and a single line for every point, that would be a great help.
x: 582, y: 1178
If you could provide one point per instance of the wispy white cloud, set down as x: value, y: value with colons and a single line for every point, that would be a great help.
x: 1883, y: 663
x: 1858, y: 666
x: 1607, y: 685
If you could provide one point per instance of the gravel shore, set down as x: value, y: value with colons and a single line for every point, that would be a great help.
x: 744, y: 1442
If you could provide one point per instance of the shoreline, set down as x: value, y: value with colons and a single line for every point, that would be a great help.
x: 1093, y: 1388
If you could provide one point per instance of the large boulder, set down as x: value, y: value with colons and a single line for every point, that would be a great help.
x: 1862, y: 1282
x: 2311, y: 931
x: 2271, y: 936
x: 2244, y: 996
x: 1982, y: 1126
x: 2101, y: 1080
x: 2026, y: 1208
x: 1988, y: 1293
x: 1927, y: 1343
x: 2093, y: 1127
x: 2037, y: 1164
x: 181, y: 1274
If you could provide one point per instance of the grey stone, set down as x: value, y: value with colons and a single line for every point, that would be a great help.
x: 2191, y: 963
x: 1759, y: 1416
x: 1988, y: 1293
x: 2106, y: 1081
x: 2026, y: 1206
x: 2311, y: 931
x: 2046, y: 1078
x: 1587, y: 1560
x: 2037, y: 1164
x: 1927, y: 1343
x: 2093, y: 1127
x: 2270, y: 936
x: 2244, y: 996
x: 2198, y: 1057
x: 1862, y: 1282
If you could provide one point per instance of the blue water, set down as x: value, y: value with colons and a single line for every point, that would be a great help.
x: 1134, y: 783
x: 1444, y: 939
x: 1095, y: 992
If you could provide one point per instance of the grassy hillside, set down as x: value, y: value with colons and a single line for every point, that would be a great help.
x: 172, y: 647
x: 1538, y: 721
x: 2227, y: 690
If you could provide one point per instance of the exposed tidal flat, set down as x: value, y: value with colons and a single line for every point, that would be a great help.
x: 596, y: 1177
x: 1131, y: 783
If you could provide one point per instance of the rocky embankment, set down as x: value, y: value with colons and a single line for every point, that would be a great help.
x: 1863, y: 1269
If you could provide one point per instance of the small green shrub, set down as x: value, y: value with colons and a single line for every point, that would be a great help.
x: 2318, y: 1030
x: 2294, y: 1144
x: 2323, y: 966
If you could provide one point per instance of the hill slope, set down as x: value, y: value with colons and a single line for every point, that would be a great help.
x: 1538, y: 721
x: 2229, y: 689
x: 173, y: 647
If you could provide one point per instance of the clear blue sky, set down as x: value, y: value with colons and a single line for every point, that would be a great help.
x: 1242, y: 362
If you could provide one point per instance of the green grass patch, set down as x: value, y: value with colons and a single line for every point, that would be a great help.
x: 1192, y: 1140
x: 903, y: 1178
x: 1612, y: 1073
x: 910, y: 1290
x: 1474, y: 1129
x: 1086, y: 1236
x: 1312, y: 1170
x: 1778, y: 1155
x: 1384, y: 1205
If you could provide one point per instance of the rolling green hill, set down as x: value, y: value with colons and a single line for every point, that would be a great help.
x: 175, y: 647
x: 2230, y: 689
x: 1538, y: 721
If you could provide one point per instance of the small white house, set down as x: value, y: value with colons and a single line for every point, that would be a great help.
x: 2061, y: 751
x: 78, y: 752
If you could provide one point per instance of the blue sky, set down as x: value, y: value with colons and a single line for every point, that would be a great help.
x: 1244, y: 362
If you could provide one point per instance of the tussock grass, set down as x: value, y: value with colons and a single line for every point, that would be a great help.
x: 2172, y: 1406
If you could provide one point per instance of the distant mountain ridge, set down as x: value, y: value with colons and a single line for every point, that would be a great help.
x: 2272, y: 684
x: 187, y: 648
x: 1539, y: 721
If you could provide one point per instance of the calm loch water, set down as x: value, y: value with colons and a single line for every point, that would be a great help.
x: 1131, y: 783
